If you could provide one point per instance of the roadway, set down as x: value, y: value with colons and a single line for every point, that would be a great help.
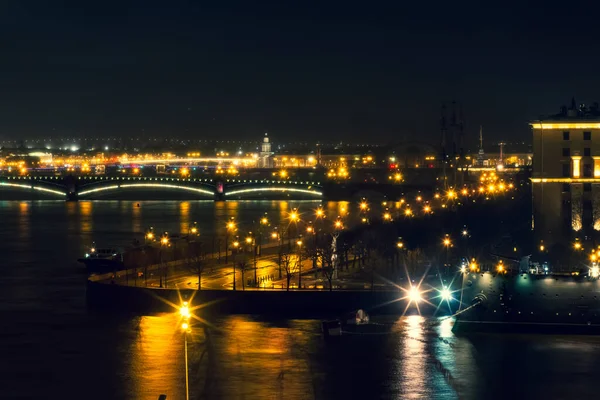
x: 219, y: 277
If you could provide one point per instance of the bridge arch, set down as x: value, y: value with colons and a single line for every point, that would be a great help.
x: 107, y: 187
x: 267, y: 188
x: 35, y: 189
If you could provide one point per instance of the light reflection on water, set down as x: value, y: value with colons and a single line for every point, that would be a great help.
x: 52, y: 345
x: 412, y: 367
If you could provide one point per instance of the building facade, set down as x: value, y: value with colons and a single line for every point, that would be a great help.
x: 566, y: 174
x: 265, y: 157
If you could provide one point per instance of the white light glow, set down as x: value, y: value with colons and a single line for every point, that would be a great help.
x: 32, y: 188
x: 162, y: 185
x: 83, y: 193
x: 446, y: 294
x: 271, y: 189
x: 41, y: 189
x: 414, y: 294
x: 15, y: 185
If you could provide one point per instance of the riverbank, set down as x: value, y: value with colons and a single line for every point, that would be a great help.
x: 290, y: 304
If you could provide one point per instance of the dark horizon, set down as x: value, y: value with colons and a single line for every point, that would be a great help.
x: 337, y: 72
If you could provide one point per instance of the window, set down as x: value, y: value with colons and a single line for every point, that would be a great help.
x: 587, y: 187
x: 566, y: 187
x: 566, y: 152
x: 566, y: 171
x: 587, y: 135
x: 587, y: 152
x: 587, y: 170
x: 566, y: 135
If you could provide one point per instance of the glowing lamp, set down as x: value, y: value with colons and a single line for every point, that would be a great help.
x: 446, y: 294
x: 184, y: 310
x: 414, y: 294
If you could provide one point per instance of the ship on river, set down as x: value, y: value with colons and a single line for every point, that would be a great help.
x: 530, y: 301
x: 168, y: 248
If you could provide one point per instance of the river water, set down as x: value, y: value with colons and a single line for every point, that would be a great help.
x: 52, y: 346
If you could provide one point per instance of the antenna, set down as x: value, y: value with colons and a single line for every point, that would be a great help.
x: 480, y: 136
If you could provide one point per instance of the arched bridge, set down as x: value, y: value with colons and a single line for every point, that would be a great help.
x: 117, y: 187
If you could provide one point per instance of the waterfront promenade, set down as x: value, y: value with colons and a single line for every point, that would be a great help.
x: 218, y: 275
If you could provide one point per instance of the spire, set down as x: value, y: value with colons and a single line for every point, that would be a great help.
x: 573, y: 104
x: 481, y: 136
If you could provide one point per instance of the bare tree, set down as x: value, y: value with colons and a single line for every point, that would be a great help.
x: 325, y: 254
x: 289, y: 265
x: 243, y: 263
x: 197, y: 260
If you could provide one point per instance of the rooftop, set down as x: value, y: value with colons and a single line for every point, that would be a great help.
x: 575, y: 113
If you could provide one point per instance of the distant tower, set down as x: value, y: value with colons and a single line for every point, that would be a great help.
x: 265, y: 153
x: 480, y: 154
x: 501, y: 160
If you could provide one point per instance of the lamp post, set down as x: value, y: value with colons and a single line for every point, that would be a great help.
x: 293, y: 219
x: 276, y: 236
x: 193, y: 230
x: 236, y: 245
x: 264, y: 222
x: 185, y: 327
x: 447, y: 243
x: 310, y: 230
x: 149, y: 237
x: 400, y: 246
x: 251, y: 242
x: 230, y: 227
x: 164, y: 242
x: 299, y: 243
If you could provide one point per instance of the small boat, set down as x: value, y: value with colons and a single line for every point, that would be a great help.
x: 102, y: 260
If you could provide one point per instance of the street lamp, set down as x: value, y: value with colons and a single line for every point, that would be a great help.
x: 229, y: 227
x: 194, y: 228
x: 294, y: 215
x: 150, y: 235
x: 252, y: 245
x: 338, y: 224
x: 235, y: 244
x: 473, y: 265
x: 184, y: 310
x: 164, y: 242
x: 447, y: 243
x: 319, y: 212
x: 363, y: 205
x: 299, y: 243
x: 294, y: 218
x: 500, y: 268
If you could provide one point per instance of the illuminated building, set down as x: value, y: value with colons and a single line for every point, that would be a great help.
x: 265, y: 160
x: 566, y: 173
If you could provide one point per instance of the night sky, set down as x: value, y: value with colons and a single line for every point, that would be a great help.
x: 352, y: 71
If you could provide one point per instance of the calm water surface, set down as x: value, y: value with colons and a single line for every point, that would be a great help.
x: 51, y: 346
